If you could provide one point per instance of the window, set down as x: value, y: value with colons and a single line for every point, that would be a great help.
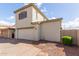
x: 22, y: 15
x: 34, y: 16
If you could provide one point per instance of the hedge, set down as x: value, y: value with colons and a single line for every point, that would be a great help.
x: 67, y: 40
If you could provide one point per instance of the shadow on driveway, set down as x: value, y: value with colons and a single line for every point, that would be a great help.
x: 16, y: 41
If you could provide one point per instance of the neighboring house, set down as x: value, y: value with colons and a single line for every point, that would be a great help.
x: 7, y: 32
x: 32, y: 24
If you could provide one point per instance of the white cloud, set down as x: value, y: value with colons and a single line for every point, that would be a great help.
x: 72, y: 24
x: 52, y: 18
x: 44, y: 10
x: 11, y: 17
x: 26, y: 3
x: 39, y: 4
x: 2, y: 22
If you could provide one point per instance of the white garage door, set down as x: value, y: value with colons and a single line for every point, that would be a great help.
x: 50, y: 31
x: 26, y: 34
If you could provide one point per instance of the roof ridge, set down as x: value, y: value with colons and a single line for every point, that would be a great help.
x: 31, y: 4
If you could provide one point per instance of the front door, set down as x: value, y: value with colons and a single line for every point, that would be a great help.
x: 13, y: 35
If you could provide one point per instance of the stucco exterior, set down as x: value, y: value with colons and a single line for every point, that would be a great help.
x: 6, y: 33
x: 26, y: 22
x: 32, y: 16
x: 36, y: 16
x: 36, y: 25
x: 51, y: 31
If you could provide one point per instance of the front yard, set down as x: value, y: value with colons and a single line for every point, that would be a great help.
x: 12, y: 47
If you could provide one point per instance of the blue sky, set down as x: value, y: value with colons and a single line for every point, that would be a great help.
x: 69, y: 12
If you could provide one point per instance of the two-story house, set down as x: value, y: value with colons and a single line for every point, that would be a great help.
x: 32, y: 24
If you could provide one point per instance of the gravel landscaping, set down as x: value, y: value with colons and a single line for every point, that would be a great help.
x: 13, y: 47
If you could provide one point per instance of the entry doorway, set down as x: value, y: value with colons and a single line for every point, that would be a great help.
x: 13, y: 36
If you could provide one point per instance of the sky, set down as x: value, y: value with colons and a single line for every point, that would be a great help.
x: 68, y: 11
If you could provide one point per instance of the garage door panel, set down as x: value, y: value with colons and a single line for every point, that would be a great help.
x: 51, y: 31
x: 26, y: 34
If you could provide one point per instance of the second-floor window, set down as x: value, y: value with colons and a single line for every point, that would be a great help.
x: 22, y: 15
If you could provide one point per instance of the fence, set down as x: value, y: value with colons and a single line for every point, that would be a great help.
x: 73, y: 33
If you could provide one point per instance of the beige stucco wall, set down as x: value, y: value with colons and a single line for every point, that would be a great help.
x: 26, y: 22
x: 4, y: 33
x: 23, y: 22
x: 16, y: 33
x: 7, y: 33
x: 31, y: 13
x: 51, y: 31
x: 0, y: 33
x: 37, y: 32
x: 38, y: 17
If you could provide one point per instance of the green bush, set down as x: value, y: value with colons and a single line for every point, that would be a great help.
x: 67, y: 40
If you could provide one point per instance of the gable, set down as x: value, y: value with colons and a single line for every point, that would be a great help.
x: 29, y: 5
x: 38, y: 10
x: 36, y: 16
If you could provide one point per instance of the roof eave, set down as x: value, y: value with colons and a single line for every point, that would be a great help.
x: 31, y: 4
x: 53, y: 20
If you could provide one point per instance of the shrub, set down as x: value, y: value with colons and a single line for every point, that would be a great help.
x: 67, y: 40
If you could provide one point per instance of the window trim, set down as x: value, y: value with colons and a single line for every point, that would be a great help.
x: 22, y: 15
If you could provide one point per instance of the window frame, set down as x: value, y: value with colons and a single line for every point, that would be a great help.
x: 22, y: 15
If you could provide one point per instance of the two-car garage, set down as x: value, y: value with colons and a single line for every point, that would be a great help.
x: 46, y: 31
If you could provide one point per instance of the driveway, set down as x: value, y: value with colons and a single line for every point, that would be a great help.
x: 13, y: 47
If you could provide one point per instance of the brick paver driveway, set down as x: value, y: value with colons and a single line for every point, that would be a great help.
x: 29, y: 48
